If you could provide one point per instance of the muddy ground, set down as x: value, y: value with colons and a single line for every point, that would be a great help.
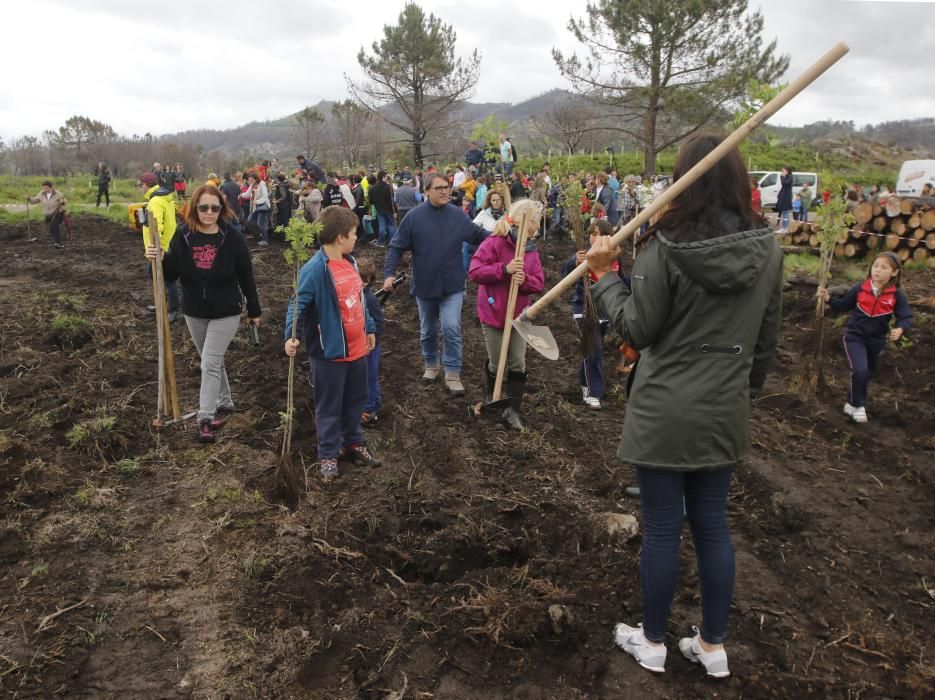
x: 432, y: 576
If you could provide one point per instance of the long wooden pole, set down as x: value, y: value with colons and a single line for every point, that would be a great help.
x: 510, y: 308
x: 290, y: 386
x: 675, y: 189
x: 158, y: 302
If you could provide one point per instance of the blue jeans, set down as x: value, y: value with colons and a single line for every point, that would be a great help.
x: 374, y: 398
x: 784, y: 218
x: 387, y: 229
x: 448, y: 309
x: 262, y: 221
x: 666, y: 497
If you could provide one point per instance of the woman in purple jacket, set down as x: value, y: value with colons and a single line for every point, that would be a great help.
x: 493, y: 267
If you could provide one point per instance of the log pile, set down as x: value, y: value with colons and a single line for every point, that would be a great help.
x: 905, y: 226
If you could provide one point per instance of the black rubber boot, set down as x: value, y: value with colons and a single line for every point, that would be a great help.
x: 515, y: 388
x: 491, y: 383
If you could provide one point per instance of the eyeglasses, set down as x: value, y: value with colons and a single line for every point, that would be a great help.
x: 205, y: 208
x: 443, y: 188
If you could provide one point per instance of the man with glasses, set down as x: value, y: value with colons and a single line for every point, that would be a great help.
x: 434, y: 233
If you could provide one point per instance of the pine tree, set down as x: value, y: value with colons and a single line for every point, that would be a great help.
x: 415, y: 81
x: 668, y: 67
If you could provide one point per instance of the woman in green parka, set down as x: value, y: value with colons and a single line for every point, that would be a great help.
x: 704, y: 313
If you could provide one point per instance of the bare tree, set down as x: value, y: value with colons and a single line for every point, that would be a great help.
x: 309, y: 129
x: 569, y: 123
x: 350, y: 119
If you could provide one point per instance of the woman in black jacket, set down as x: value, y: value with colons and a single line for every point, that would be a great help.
x: 283, y: 198
x: 784, y: 199
x: 211, y: 259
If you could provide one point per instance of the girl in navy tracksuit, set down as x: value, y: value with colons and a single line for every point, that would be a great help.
x: 591, y: 372
x: 872, y: 303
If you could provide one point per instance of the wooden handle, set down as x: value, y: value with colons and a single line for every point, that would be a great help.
x: 700, y: 168
x: 510, y: 308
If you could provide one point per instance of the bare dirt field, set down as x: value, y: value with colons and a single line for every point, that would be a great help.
x: 143, y: 565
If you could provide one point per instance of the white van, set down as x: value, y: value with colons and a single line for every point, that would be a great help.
x: 913, y: 176
x: 769, y: 185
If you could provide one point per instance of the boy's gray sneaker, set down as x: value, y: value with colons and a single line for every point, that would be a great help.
x: 633, y: 641
x: 329, y: 469
x: 431, y: 373
x: 715, y: 662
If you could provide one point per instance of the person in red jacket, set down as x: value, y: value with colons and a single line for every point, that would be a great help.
x: 872, y: 303
x: 493, y: 268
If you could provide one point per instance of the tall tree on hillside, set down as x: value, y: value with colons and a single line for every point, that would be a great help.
x: 350, y: 119
x: 309, y: 129
x: 668, y: 67
x: 413, y: 67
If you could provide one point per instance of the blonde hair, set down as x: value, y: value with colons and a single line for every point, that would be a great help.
x: 523, y: 207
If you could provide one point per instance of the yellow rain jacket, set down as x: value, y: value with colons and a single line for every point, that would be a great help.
x: 163, y: 209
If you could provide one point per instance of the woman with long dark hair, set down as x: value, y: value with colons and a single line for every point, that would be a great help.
x: 211, y: 259
x: 704, y: 313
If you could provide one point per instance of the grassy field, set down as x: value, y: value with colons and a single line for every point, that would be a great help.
x: 117, y: 212
x: 78, y: 189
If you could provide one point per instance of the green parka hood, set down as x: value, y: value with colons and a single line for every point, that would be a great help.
x: 726, y: 264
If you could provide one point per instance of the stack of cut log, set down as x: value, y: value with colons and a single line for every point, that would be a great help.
x: 905, y: 226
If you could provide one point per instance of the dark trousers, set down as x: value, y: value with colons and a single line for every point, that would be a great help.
x: 666, y: 497
x: 340, y: 392
x: 374, y: 398
x: 591, y: 371
x: 863, y: 356
x: 103, y: 191
x: 55, y: 226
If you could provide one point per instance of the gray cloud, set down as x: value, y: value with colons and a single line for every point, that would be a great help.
x: 198, y: 65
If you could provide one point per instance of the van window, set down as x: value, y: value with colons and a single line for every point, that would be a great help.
x: 799, y: 179
x: 769, y: 180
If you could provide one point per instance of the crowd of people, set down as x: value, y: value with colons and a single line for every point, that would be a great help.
x: 701, y: 307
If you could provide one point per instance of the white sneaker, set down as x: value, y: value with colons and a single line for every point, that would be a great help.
x: 431, y: 373
x: 652, y: 657
x: 859, y: 415
x: 590, y: 401
x: 715, y: 662
x: 849, y: 410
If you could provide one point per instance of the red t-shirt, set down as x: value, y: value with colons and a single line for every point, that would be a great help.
x: 349, y: 286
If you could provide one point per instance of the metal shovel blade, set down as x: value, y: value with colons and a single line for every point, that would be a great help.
x: 539, y: 338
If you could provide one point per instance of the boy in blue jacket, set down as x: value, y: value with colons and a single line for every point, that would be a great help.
x: 338, y: 331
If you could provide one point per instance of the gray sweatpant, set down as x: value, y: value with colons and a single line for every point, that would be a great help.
x: 212, y: 336
x: 515, y: 352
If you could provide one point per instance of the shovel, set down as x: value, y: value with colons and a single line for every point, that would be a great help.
x: 382, y: 295
x: 540, y: 338
x: 496, y: 402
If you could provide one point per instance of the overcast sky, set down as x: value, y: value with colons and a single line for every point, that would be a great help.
x: 167, y: 67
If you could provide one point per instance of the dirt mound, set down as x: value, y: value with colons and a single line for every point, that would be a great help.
x: 469, y: 564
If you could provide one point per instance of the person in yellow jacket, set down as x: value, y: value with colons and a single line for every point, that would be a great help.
x: 162, y: 207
